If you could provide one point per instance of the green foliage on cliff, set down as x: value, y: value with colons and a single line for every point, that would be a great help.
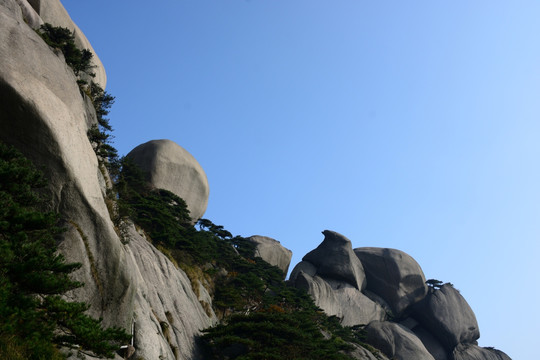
x: 262, y: 317
x: 34, y: 319
x: 64, y: 40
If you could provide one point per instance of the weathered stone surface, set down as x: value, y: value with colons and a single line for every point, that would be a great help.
x: 360, y: 353
x: 393, y: 275
x: 42, y: 113
x: 53, y: 12
x: 302, y: 266
x: 431, y: 343
x: 396, y: 341
x: 272, y: 252
x: 29, y: 14
x: 168, y: 314
x: 334, y: 258
x: 340, y: 298
x: 474, y: 352
x: 446, y: 314
x: 171, y: 167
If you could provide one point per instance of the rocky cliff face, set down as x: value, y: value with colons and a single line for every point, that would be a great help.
x: 43, y: 114
x: 129, y: 283
x: 404, y: 320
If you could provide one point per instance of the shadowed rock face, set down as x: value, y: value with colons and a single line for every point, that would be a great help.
x: 447, y: 315
x: 474, y: 352
x: 272, y: 252
x: 335, y: 258
x: 393, y: 275
x: 171, y: 167
x: 396, y: 341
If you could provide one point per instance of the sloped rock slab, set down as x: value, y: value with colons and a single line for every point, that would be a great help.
x: 447, y: 315
x: 341, y: 299
x: 393, y: 275
x: 474, y: 352
x: 396, y: 341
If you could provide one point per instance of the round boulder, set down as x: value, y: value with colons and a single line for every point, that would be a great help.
x: 171, y: 167
x: 271, y: 251
x: 393, y: 275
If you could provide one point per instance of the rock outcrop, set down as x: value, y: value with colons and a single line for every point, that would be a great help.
x: 396, y: 341
x: 130, y: 284
x: 334, y: 258
x: 271, y: 251
x: 394, y: 276
x: 43, y: 114
x: 417, y: 324
x: 334, y: 277
x: 171, y: 167
x: 474, y: 352
x: 448, y: 317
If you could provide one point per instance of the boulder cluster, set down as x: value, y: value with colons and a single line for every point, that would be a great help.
x: 385, y: 290
x: 130, y: 284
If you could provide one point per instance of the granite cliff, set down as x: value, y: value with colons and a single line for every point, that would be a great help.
x: 131, y: 283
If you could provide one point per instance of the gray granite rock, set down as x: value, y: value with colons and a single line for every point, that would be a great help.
x: 167, y: 312
x: 30, y: 15
x: 433, y: 345
x: 396, y: 341
x: 53, y: 12
x: 393, y: 275
x: 474, y: 352
x: 171, y: 167
x: 272, y: 252
x: 446, y: 314
x: 360, y: 353
x: 334, y: 258
x: 339, y: 298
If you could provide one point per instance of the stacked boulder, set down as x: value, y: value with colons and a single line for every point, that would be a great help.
x: 385, y: 289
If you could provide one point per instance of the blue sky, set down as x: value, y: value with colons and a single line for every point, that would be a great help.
x: 404, y: 124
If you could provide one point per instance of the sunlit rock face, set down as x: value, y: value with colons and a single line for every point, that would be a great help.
x: 43, y: 114
x: 53, y: 12
x: 404, y: 320
x: 271, y: 251
x: 334, y: 277
x: 171, y: 167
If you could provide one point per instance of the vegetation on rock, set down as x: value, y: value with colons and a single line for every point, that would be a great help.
x: 34, y: 319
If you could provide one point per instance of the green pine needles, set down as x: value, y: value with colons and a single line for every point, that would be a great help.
x: 34, y: 319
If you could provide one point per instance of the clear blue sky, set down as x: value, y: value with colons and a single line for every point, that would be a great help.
x: 406, y: 124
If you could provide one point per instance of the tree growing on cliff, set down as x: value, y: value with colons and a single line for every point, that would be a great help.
x: 34, y: 318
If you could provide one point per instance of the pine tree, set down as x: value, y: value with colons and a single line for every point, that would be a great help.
x: 34, y: 318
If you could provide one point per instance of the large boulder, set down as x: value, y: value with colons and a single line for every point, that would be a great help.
x: 393, y: 275
x: 474, y: 352
x: 396, y: 341
x: 339, y: 298
x: 446, y: 314
x: 334, y: 258
x: 272, y: 252
x: 171, y: 167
